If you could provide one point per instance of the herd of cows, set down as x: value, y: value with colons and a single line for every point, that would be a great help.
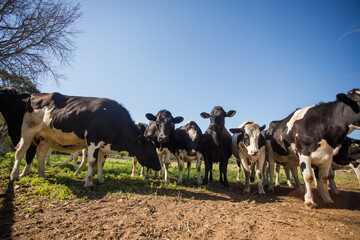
x: 313, y: 138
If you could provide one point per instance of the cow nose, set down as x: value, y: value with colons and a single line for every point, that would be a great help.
x: 192, y: 153
x: 254, y: 152
x: 162, y: 139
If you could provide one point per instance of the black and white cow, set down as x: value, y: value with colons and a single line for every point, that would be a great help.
x: 313, y: 135
x: 68, y: 124
x: 161, y: 130
x: 188, y: 139
x: 142, y: 127
x: 12, y: 107
x: 248, y: 147
x: 216, y: 143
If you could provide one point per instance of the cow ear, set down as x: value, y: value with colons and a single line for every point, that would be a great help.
x: 150, y: 117
x: 178, y: 120
x: 341, y: 97
x: 262, y: 127
x: 236, y: 130
x: 204, y: 115
x: 230, y: 113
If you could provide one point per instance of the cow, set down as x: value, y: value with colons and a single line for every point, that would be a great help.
x: 348, y: 157
x: 188, y: 139
x: 161, y: 130
x: 142, y: 127
x: 12, y: 107
x: 312, y: 136
x: 248, y: 147
x: 71, y: 123
x: 216, y: 143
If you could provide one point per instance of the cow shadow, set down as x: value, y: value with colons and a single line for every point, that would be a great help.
x: 7, y: 212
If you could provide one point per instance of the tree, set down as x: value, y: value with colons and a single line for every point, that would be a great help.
x: 36, y: 36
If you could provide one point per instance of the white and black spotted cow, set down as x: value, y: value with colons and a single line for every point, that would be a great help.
x: 313, y: 135
x: 161, y: 130
x: 188, y: 139
x: 216, y: 143
x: 248, y: 147
x: 68, y: 124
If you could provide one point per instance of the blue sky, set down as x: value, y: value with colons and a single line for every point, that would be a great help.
x: 263, y: 59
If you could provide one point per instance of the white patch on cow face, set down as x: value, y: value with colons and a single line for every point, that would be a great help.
x: 253, y: 132
x: 299, y: 114
x: 192, y: 134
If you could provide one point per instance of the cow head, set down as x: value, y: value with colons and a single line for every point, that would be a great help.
x: 8, y: 96
x: 165, y: 124
x: 249, y: 133
x: 146, y: 154
x: 188, y: 138
x: 217, y: 117
x: 352, y: 99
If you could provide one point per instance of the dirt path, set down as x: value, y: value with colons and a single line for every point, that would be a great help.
x: 189, y: 214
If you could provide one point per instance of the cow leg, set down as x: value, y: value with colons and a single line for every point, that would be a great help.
x: 287, y: 173
x: 305, y: 165
x: 223, y: 170
x: 259, y: 170
x: 294, y: 173
x: 247, y: 178
x: 181, y: 167
x: 208, y: 168
x: 67, y: 161
x: 142, y: 171
x: 161, y: 164
x: 30, y: 154
x: 270, y: 159
x: 92, y: 156
x: 83, y: 161
x: 266, y: 174
x: 322, y: 184
x: 198, y: 168
x: 75, y: 156
x: 333, y: 187
x: 22, y: 147
x: 355, y: 166
x: 134, y: 162
x: 253, y: 173
x: 100, y: 166
x: 277, y: 172
x: 166, y: 166
x: 48, y: 158
x: 188, y: 171
x: 238, y: 163
x: 42, y: 151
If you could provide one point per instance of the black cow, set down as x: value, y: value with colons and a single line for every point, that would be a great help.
x: 161, y: 130
x: 188, y: 139
x: 313, y: 135
x: 216, y: 143
x: 142, y: 127
x: 12, y: 107
x: 68, y: 124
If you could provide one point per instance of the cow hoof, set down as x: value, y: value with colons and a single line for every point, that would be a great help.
x: 101, y: 181
x: 262, y: 193
x: 310, y: 205
x: 252, y: 179
x: 277, y: 184
x: 335, y: 192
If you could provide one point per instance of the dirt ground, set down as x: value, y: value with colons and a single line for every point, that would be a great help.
x: 192, y: 213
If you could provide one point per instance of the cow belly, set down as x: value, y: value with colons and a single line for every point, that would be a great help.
x: 59, y: 137
x: 289, y: 160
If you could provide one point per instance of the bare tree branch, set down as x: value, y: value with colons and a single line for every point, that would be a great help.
x: 36, y: 36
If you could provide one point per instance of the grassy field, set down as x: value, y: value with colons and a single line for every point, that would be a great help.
x: 61, y: 183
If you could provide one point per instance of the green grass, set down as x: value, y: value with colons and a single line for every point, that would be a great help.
x: 61, y: 183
